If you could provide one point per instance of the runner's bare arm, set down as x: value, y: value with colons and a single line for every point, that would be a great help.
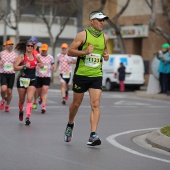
x: 40, y: 63
x: 0, y: 60
x: 77, y: 42
x: 52, y: 67
x: 17, y: 65
x: 56, y: 66
x: 16, y: 56
x: 106, y: 55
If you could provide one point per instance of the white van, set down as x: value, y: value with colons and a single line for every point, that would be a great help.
x: 134, y: 70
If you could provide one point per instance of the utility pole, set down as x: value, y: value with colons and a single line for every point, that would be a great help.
x: 5, y: 25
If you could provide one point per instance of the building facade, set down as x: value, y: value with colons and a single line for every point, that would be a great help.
x: 137, y: 37
x: 30, y: 24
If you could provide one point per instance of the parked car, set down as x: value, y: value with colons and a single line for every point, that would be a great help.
x: 134, y: 70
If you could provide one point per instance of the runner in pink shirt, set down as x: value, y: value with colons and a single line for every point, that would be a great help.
x: 7, y: 60
x: 44, y: 75
x: 64, y: 64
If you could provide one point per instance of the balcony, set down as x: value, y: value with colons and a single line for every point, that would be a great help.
x: 58, y: 20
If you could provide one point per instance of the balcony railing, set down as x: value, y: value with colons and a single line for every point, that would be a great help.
x: 57, y: 20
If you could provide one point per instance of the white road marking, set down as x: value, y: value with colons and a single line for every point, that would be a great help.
x: 112, y: 140
x: 120, y: 106
x: 131, y: 103
x: 52, y: 107
x: 51, y: 101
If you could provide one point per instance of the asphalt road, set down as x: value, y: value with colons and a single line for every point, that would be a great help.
x: 124, y: 116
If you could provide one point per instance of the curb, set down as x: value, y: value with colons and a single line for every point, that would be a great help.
x: 159, y: 140
x: 152, y: 96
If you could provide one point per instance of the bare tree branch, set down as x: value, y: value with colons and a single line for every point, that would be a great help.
x: 48, y: 25
x: 103, y: 3
x: 2, y: 16
x: 25, y: 4
x: 12, y: 17
x: 148, y: 3
x: 121, y: 11
x: 166, y: 9
x: 161, y: 32
x: 114, y: 23
x: 152, y: 23
x: 61, y: 29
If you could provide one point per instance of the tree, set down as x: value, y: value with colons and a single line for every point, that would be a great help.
x: 153, y: 25
x: 12, y: 14
x: 67, y: 8
x: 114, y: 23
x: 56, y: 9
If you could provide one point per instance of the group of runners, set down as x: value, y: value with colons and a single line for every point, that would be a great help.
x: 90, y: 48
x: 34, y: 64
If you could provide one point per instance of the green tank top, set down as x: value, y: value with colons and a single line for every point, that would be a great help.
x: 91, y: 64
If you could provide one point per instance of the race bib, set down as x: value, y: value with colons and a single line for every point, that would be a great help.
x: 43, y: 70
x: 92, y: 60
x: 66, y: 76
x: 8, y: 66
x: 24, y: 82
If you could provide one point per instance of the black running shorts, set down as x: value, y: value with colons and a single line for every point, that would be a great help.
x: 65, y: 79
x: 33, y: 82
x: 81, y: 83
x: 8, y: 79
x: 43, y: 81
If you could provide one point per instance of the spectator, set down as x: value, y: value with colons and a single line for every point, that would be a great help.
x: 163, y: 67
x: 121, y: 71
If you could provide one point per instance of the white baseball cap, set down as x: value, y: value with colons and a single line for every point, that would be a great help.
x: 98, y: 15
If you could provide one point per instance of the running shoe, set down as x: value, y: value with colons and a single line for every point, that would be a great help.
x: 39, y: 100
x: 43, y: 110
x: 64, y: 101
x: 68, y: 133
x: 7, y: 109
x: 94, y: 140
x: 27, y: 121
x: 2, y: 105
x: 21, y: 114
x: 34, y: 106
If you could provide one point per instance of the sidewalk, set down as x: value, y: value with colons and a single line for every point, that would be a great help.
x: 159, y: 140
x: 152, y: 96
x: 143, y: 93
x: 156, y: 138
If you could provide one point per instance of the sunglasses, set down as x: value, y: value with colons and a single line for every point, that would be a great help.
x: 30, y: 46
x: 100, y: 20
x: 9, y: 44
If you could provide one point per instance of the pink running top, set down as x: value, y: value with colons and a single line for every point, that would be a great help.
x: 46, y: 70
x: 64, y: 62
x: 8, y: 59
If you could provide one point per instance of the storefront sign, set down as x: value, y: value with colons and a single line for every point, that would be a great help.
x: 129, y: 31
